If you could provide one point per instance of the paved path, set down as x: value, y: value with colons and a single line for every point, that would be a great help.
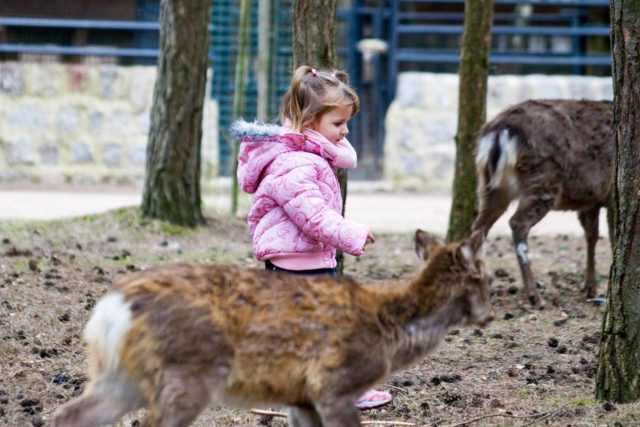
x: 381, y: 211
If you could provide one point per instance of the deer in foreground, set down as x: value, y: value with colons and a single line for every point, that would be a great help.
x: 173, y: 339
x: 549, y: 154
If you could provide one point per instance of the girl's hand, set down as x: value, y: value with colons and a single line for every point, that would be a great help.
x: 370, y: 239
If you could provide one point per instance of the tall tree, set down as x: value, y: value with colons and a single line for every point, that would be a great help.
x: 472, y: 107
x: 242, y: 70
x: 172, y: 182
x: 618, y: 377
x: 266, y: 53
x: 314, y: 44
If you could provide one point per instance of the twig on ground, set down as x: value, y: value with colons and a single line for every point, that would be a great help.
x: 538, y: 417
x: 380, y: 423
x: 545, y: 416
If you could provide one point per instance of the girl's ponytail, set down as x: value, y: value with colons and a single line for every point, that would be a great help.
x: 291, y: 109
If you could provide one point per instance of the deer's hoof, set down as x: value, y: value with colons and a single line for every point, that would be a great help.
x: 536, y: 300
x: 590, y: 290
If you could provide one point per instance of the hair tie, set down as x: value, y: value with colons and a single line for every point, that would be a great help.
x: 314, y: 72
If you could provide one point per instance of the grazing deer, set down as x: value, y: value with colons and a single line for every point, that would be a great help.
x: 174, y: 338
x: 551, y: 154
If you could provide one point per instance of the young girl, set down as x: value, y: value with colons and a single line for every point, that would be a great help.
x: 295, y: 218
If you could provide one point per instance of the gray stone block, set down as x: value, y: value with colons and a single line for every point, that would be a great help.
x: 31, y: 117
x: 49, y: 155
x: 44, y: 80
x: 12, y: 79
x: 96, y: 121
x: 108, y: 81
x: 69, y: 120
x: 120, y: 123
x: 14, y: 176
x: 19, y: 152
x: 137, y: 155
x: 112, y: 154
x: 81, y: 152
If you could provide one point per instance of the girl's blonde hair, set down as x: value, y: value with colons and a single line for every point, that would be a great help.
x: 313, y: 93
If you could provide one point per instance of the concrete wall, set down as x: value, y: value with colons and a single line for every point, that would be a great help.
x: 81, y: 124
x: 422, y: 120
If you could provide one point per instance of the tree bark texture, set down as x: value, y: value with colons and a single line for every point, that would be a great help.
x: 266, y: 52
x: 618, y: 377
x: 314, y: 33
x: 172, y: 183
x: 314, y: 44
x: 472, y: 101
x: 239, y: 102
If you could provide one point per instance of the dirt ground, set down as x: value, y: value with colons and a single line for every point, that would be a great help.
x: 528, y: 367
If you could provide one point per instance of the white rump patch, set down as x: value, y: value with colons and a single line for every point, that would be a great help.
x: 523, y: 252
x: 109, y: 322
x: 484, y: 147
x: 504, y: 175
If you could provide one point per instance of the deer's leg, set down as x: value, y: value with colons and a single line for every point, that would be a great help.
x: 339, y: 412
x: 303, y: 417
x: 589, y: 221
x: 103, y: 402
x: 491, y: 205
x: 179, y: 398
x: 531, y: 209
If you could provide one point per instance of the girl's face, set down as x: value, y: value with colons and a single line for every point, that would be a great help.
x: 333, y: 124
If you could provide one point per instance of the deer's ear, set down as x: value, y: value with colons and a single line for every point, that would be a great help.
x: 425, y: 243
x: 472, y: 247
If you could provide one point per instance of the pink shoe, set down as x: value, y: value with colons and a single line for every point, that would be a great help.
x: 373, y: 399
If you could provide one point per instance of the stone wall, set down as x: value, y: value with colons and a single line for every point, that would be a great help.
x: 81, y: 124
x: 88, y: 124
x: 422, y: 120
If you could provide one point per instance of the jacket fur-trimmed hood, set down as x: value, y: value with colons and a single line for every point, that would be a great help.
x: 241, y: 129
x: 262, y: 143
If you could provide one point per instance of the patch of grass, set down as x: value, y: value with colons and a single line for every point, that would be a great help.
x: 584, y: 402
x: 174, y: 230
x: 127, y: 216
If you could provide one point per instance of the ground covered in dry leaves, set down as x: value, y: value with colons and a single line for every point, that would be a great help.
x: 528, y: 367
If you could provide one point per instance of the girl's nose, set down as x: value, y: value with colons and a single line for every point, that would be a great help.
x: 345, y: 131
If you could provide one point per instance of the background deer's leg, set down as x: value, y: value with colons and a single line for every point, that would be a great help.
x: 339, y: 412
x: 303, y: 417
x: 531, y: 209
x: 179, y: 398
x: 589, y: 221
x: 491, y: 205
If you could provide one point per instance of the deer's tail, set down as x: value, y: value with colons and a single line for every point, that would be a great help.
x: 105, y: 331
x: 496, y: 159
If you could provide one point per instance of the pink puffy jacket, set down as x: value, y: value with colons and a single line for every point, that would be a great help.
x: 295, y: 218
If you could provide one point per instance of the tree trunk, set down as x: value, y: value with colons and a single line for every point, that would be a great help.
x: 266, y: 52
x: 172, y: 182
x: 314, y: 44
x: 314, y: 33
x: 618, y: 377
x: 472, y: 101
x: 242, y: 69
